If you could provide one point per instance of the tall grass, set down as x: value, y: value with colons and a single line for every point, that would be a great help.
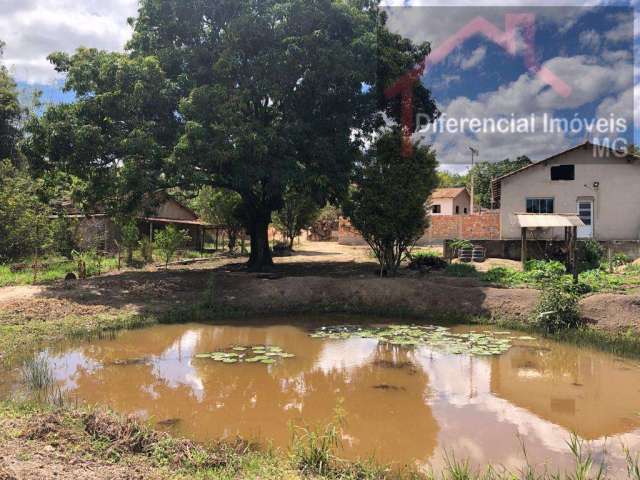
x: 314, y: 449
x: 36, y: 373
x: 40, y: 382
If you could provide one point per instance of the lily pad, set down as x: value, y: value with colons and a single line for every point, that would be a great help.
x: 484, y: 343
x: 266, y: 354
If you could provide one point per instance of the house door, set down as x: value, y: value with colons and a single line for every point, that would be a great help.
x: 585, y: 212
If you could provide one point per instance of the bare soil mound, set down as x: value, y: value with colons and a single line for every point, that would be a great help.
x: 612, y: 312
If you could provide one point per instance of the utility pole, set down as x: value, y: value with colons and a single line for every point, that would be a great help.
x: 475, y: 153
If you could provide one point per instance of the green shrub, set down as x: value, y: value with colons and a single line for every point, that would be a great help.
x: 590, y: 254
x: 620, y: 260
x: 168, y: 241
x: 429, y: 260
x: 130, y: 235
x: 504, y: 276
x: 544, y: 269
x: 558, y: 308
x: 601, y: 280
x: 461, y: 270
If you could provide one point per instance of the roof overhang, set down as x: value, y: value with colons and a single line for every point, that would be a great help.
x: 176, y: 221
x: 548, y: 220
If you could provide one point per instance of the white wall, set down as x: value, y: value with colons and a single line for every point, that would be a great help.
x: 616, y: 201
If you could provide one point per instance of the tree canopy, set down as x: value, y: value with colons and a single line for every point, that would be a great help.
x: 247, y: 95
x: 388, y: 202
x: 10, y: 114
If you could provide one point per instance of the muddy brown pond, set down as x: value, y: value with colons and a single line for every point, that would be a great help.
x: 402, y: 403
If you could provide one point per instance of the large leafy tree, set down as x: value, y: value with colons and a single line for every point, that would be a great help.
x: 247, y: 95
x: 117, y: 134
x: 10, y: 114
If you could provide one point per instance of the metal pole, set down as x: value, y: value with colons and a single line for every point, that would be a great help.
x: 474, y: 153
x: 574, y: 254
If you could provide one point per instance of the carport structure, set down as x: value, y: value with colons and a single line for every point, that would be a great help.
x: 570, y: 223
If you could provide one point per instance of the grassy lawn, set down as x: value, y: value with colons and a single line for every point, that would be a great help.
x: 54, y: 269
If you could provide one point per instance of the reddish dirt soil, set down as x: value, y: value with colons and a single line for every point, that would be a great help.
x: 317, y: 273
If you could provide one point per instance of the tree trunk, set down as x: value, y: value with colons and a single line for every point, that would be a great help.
x: 260, y: 258
x: 291, y: 239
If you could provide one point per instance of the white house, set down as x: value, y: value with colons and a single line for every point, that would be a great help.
x: 599, y: 184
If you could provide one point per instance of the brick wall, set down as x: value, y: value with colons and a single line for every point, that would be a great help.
x: 482, y: 226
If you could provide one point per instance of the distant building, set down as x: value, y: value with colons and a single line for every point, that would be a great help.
x: 100, y: 231
x: 450, y: 201
x: 600, y: 185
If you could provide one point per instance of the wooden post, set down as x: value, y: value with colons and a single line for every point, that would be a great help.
x: 567, y: 245
x: 523, y: 253
x: 574, y: 256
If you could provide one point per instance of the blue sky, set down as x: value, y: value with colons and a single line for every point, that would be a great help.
x: 589, y: 48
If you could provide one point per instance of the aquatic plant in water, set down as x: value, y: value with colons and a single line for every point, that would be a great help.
x: 442, y: 338
x: 265, y: 354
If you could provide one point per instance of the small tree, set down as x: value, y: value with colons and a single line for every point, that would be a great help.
x: 387, y: 203
x: 299, y: 212
x: 168, y: 241
x: 221, y: 207
x: 24, y: 218
x: 130, y: 236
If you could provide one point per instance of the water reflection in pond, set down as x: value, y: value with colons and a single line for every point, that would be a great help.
x: 403, y: 405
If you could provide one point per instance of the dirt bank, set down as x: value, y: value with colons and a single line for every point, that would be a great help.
x: 318, y: 276
x: 158, y: 292
x: 612, y: 312
x: 419, y: 297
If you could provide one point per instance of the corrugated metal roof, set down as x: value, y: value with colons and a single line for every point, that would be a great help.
x: 548, y: 220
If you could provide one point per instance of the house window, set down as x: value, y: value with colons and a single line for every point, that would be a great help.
x: 457, y: 209
x: 465, y: 211
x: 436, y: 209
x: 563, y: 172
x: 539, y: 205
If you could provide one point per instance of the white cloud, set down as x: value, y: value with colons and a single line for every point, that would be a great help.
x: 437, y: 20
x: 474, y: 59
x: 34, y: 28
x: 615, y: 56
x: 620, y: 106
x: 590, y: 39
x: 530, y: 95
x: 623, y: 32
